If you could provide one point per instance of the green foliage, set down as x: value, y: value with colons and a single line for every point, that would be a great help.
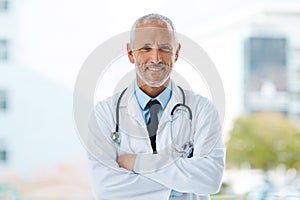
x: 264, y: 140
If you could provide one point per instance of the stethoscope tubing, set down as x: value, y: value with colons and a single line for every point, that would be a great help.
x: 116, y: 136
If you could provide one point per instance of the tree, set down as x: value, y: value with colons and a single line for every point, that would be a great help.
x: 264, y: 140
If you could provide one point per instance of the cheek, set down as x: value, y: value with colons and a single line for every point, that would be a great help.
x: 140, y: 59
x: 169, y: 62
x: 169, y: 59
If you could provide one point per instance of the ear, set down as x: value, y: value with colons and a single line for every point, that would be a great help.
x: 130, y: 53
x: 177, y: 52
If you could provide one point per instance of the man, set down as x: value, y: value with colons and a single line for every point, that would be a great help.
x: 155, y: 140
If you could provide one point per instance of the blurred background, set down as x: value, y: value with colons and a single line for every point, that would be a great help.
x: 255, y: 46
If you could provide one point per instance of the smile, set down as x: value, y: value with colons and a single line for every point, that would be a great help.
x: 155, y: 69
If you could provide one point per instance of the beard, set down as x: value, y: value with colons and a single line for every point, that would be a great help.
x: 153, y: 75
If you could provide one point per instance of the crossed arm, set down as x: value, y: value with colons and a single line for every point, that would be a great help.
x: 127, y: 161
x: 108, y: 180
x: 111, y: 175
x: 200, y: 174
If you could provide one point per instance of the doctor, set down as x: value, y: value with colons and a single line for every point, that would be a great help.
x: 153, y: 154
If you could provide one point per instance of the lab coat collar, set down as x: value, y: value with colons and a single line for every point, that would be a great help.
x: 163, y: 98
x: 130, y: 105
x: 175, y: 99
x: 129, y: 101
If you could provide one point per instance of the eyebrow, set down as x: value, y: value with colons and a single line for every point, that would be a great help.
x: 165, y: 44
x: 147, y: 44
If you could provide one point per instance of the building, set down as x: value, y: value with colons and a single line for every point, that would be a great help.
x: 40, y: 152
x: 272, y: 61
x: 257, y: 52
x: 36, y: 114
x: 5, y: 34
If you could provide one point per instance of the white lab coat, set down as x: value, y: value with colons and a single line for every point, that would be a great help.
x: 156, y: 174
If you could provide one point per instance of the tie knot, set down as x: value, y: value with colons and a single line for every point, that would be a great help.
x: 153, y: 105
x: 152, y: 102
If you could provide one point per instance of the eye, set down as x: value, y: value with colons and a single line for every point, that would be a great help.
x: 165, y: 49
x: 145, y: 49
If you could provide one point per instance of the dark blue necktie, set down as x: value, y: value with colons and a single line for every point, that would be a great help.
x: 154, y: 106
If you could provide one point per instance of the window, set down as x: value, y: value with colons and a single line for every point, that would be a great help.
x: 3, y: 49
x: 3, y: 100
x: 3, y: 5
x: 3, y: 152
x: 3, y: 155
x: 267, y: 61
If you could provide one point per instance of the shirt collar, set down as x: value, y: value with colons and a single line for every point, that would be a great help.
x: 143, y: 98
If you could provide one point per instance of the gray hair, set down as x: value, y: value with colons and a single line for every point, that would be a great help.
x: 153, y: 17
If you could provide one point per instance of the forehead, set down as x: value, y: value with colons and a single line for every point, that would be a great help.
x: 152, y: 33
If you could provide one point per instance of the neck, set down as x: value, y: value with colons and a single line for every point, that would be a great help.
x: 152, y: 91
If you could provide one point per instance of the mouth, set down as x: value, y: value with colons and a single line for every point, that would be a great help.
x: 155, y: 68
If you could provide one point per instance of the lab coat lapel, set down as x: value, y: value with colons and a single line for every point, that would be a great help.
x: 129, y: 108
x: 175, y: 99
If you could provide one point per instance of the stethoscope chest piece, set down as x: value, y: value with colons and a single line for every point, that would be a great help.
x: 188, y: 149
x: 115, y: 136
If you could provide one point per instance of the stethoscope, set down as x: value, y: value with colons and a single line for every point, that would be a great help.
x: 186, y: 149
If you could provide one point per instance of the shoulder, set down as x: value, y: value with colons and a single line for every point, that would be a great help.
x: 191, y: 98
x: 199, y: 104
x: 108, y: 103
x: 112, y: 101
x: 197, y: 99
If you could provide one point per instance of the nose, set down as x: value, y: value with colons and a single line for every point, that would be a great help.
x: 155, y: 56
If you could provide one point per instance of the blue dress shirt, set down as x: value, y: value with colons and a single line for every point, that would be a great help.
x: 143, y: 99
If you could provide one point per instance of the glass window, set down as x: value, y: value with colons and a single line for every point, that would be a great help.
x: 3, y: 100
x: 3, y: 5
x: 3, y: 151
x: 267, y: 62
x: 3, y: 50
x: 3, y: 155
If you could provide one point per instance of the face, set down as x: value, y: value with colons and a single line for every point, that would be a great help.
x: 153, y: 54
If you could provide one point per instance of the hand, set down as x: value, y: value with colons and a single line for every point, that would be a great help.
x: 127, y: 161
